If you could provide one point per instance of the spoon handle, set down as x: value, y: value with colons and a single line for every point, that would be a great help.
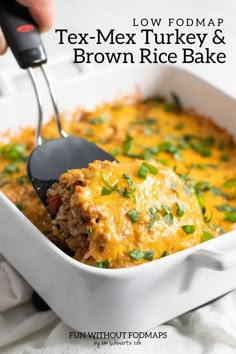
x: 22, y: 34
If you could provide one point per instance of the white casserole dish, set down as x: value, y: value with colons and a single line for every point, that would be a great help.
x: 133, y: 299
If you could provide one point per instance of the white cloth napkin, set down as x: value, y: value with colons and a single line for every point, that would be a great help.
x: 208, y: 330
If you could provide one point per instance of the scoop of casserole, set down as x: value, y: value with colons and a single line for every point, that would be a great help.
x: 122, y: 214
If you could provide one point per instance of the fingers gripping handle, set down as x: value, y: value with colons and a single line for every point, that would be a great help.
x: 22, y: 34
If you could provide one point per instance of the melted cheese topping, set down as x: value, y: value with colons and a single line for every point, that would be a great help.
x: 123, y: 213
x: 201, y: 153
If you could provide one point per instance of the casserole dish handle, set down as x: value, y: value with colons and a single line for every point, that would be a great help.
x: 217, y: 260
x: 206, y: 259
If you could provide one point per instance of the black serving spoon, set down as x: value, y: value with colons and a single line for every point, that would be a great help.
x: 50, y: 159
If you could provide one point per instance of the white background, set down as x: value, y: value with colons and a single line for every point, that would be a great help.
x: 86, y: 16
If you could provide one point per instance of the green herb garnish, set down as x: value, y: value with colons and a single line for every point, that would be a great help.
x: 221, y: 145
x: 189, y: 229
x: 169, y: 220
x: 11, y: 168
x: 128, y: 193
x: 225, y: 157
x: 148, y: 255
x: 202, y: 166
x: 165, y: 253
x: 177, y: 101
x: 22, y: 179
x: 206, y: 236
x: 149, y: 121
x: 137, y: 255
x: 230, y: 183
x: 89, y: 230
x: 14, y: 152
x: 226, y: 208
x: 179, y: 126
x: 108, y: 188
x: 146, y: 168
x: 98, y: 120
x: 168, y: 107
x: 103, y: 264
x: 166, y: 209
x: 148, y: 131
x: 4, y: 179
x: 19, y: 206
x: 134, y: 215
x: 207, y: 219
x: 174, y: 187
x: 230, y: 217
x: 116, y: 151
x: 128, y: 145
x: 180, y: 209
x: 154, y: 219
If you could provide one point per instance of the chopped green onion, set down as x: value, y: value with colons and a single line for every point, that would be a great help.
x: 22, y: 179
x: 106, y: 191
x: 163, y: 162
x: 216, y: 191
x: 154, y: 219
x: 167, y: 146
x: 188, y: 189
x: 148, y: 131
x: 130, y: 182
x: 149, y: 121
x: 221, y: 145
x: 207, y: 219
x: 226, y: 208
x: 148, y: 255
x: 137, y: 255
x: 128, y: 193
x: 179, y: 126
x: 180, y: 209
x: 203, y: 151
x: 146, y: 168
x: 116, y: 151
x: 128, y: 145
x: 166, y: 209
x: 147, y: 154
x: 165, y: 253
x: 230, y: 183
x: 203, y: 186
x: 103, y: 264
x: 134, y: 215
x: 143, y: 172
x: 225, y: 157
x: 168, y: 107
x: 230, y: 217
x: 206, y: 236
x: 11, y: 168
x: 108, y: 188
x: 89, y: 230
x: 98, y: 120
x: 189, y: 229
x: 169, y: 219
x: 14, y: 152
x: 177, y: 101
x: 173, y: 187
x: 19, y: 206
x: 198, y: 166
x: 153, y: 210
x: 177, y: 155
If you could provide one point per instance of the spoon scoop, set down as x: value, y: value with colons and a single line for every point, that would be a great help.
x: 50, y: 159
